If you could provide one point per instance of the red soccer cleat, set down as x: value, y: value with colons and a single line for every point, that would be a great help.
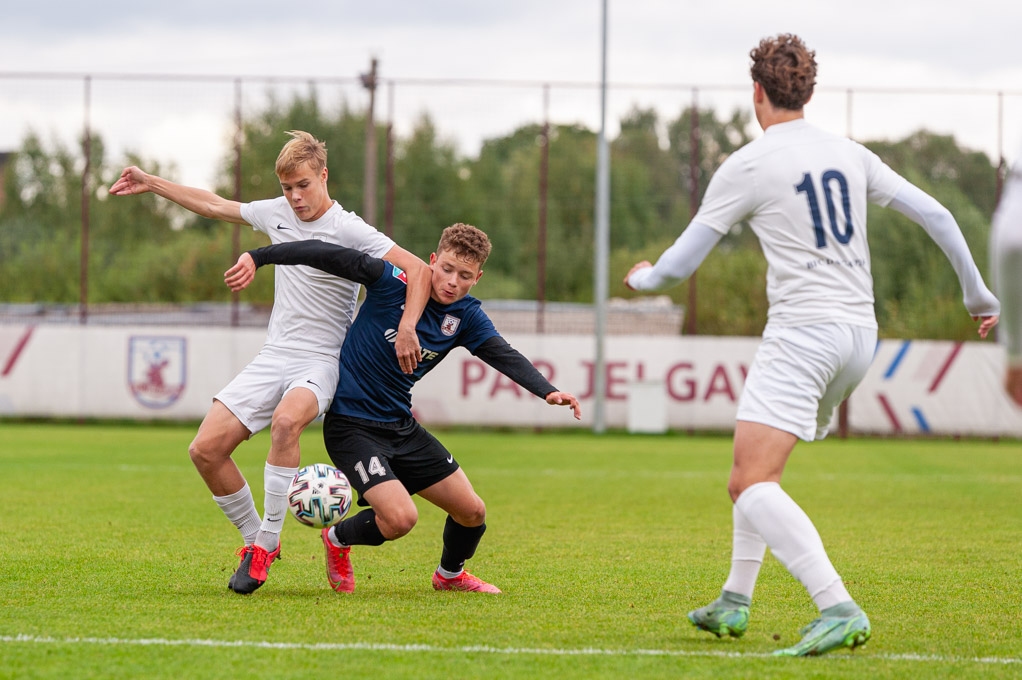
x: 465, y: 582
x: 338, y: 566
x: 253, y: 570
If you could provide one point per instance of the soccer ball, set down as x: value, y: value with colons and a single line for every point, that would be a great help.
x: 319, y: 495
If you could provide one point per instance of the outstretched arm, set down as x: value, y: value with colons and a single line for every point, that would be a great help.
x: 199, y: 201
x: 353, y: 265
x: 926, y: 211
x: 346, y: 263
x: 497, y: 353
x: 677, y: 262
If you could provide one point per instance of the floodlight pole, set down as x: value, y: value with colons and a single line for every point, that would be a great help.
x: 602, y: 236
x: 369, y: 82
x: 83, y: 271
x: 239, y: 140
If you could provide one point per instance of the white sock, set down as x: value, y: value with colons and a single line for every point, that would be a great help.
x: 794, y: 541
x: 449, y: 574
x: 332, y: 537
x: 241, y: 510
x: 276, y: 481
x: 747, y: 551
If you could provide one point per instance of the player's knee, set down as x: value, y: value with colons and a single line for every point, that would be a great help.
x: 472, y: 515
x: 396, y: 523
x: 735, y: 486
x: 286, y: 426
x: 196, y: 453
x: 738, y: 483
x: 203, y: 454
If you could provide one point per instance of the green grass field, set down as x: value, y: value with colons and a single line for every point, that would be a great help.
x: 114, y: 562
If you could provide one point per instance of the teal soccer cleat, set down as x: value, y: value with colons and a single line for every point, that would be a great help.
x: 828, y: 633
x: 727, y: 615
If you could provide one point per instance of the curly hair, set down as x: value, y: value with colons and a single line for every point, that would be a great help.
x: 786, y: 69
x: 301, y: 149
x: 466, y: 242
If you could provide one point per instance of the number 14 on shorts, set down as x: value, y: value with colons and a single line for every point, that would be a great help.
x: 375, y: 468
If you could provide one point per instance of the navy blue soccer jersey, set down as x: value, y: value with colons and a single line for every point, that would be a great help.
x: 371, y: 383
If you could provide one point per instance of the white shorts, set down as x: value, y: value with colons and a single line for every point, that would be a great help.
x: 254, y: 393
x: 802, y: 373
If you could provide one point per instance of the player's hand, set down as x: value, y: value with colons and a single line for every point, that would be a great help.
x: 636, y: 267
x: 565, y: 399
x: 1013, y: 384
x: 986, y: 325
x: 241, y: 274
x: 131, y: 181
x: 408, y: 350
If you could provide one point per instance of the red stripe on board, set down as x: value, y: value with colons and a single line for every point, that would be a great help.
x: 947, y: 366
x: 890, y: 412
x: 9, y: 366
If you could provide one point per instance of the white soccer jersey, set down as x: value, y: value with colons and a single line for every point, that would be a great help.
x: 804, y: 192
x: 312, y: 310
x: 1006, y: 256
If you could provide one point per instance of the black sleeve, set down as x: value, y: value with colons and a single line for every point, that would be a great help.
x: 346, y: 263
x: 512, y: 363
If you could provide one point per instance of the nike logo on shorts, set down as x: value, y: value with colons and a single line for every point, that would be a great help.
x: 450, y: 458
x: 311, y: 383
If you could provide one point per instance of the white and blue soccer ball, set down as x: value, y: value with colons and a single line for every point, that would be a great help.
x: 319, y: 495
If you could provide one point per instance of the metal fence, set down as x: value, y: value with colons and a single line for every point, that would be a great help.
x: 189, y: 123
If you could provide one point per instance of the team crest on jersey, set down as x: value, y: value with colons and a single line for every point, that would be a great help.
x: 449, y: 326
x: 400, y: 275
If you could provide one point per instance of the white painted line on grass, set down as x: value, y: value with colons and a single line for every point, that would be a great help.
x: 470, y: 649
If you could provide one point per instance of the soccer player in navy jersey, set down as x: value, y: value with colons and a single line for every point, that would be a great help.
x: 804, y: 193
x: 370, y: 432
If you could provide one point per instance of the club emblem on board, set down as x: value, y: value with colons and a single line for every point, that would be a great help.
x: 156, y: 369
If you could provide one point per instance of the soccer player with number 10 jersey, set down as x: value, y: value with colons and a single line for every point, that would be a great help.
x: 804, y: 192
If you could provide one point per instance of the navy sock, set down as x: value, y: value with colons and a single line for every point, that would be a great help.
x: 460, y: 544
x: 359, y: 530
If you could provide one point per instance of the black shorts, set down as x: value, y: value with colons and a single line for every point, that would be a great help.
x: 370, y: 453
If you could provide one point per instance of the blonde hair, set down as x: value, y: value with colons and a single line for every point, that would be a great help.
x: 466, y: 242
x: 302, y: 149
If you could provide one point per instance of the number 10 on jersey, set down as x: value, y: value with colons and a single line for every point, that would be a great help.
x: 833, y: 182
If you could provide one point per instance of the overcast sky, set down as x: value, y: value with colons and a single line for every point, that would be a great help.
x: 897, y: 44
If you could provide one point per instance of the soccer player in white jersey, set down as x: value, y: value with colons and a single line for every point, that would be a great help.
x: 292, y: 379
x: 804, y: 193
x: 1006, y: 256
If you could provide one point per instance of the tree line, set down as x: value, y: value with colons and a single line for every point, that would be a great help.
x: 145, y: 249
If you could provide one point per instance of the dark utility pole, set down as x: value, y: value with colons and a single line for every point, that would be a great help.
x: 369, y: 194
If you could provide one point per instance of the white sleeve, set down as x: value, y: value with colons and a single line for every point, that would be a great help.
x: 679, y: 261
x: 926, y: 211
x: 259, y: 213
x: 1006, y: 257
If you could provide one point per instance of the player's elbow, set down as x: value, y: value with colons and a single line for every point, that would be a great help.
x: 935, y: 218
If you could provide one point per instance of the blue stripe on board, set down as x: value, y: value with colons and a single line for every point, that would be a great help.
x: 897, y: 359
x: 921, y: 419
